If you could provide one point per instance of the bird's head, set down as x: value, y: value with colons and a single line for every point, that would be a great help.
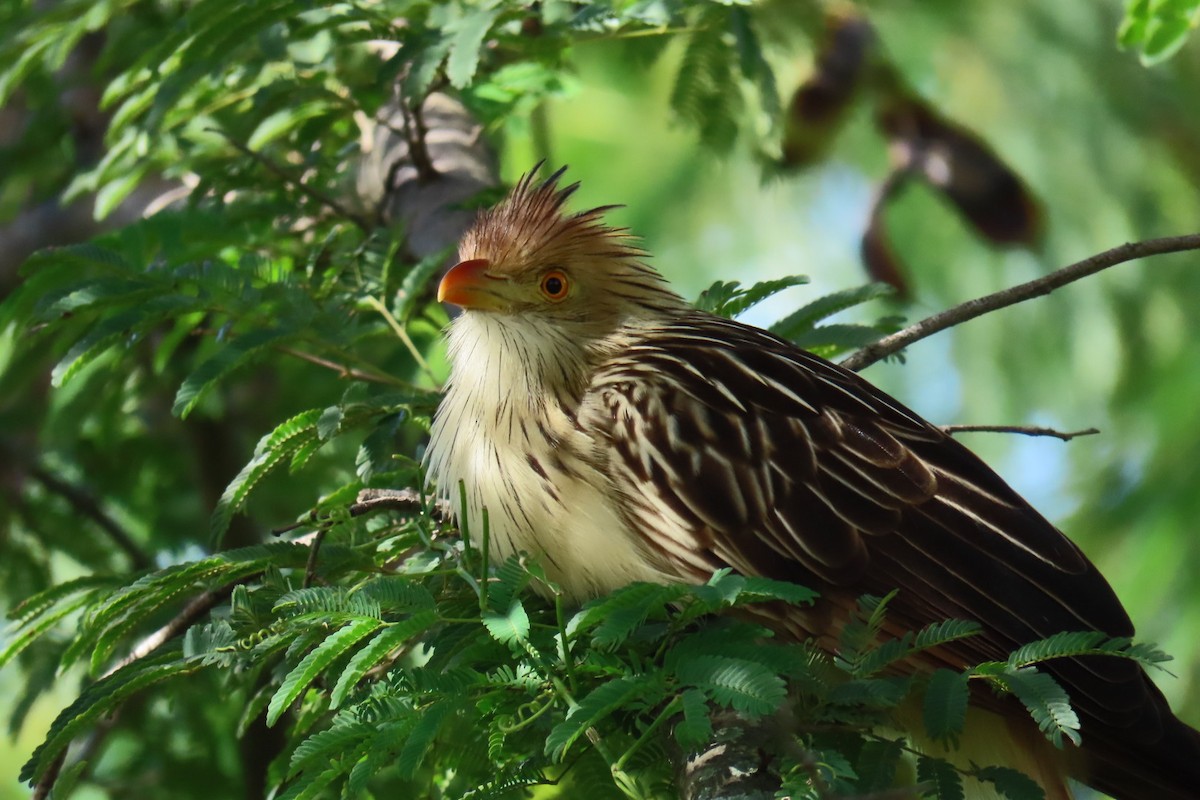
x: 530, y: 258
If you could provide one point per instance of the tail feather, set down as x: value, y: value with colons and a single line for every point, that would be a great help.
x: 1164, y: 765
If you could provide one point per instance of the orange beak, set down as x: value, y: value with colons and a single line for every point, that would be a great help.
x: 469, y: 284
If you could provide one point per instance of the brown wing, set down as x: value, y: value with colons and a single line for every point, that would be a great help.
x: 734, y: 448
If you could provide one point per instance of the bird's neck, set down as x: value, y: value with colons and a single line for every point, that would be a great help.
x: 518, y: 366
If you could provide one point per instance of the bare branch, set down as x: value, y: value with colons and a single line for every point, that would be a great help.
x: 1017, y: 294
x: 415, y: 132
x: 46, y: 784
x: 369, y: 500
x: 85, y: 505
x: 314, y: 549
x: 341, y: 369
x: 195, y: 608
x: 1026, y: 430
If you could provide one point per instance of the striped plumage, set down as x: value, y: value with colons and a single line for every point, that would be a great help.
x: 619, y: 436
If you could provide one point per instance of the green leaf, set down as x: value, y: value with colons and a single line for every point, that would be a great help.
x: 509, y: 627
x: 415, y: 285
x: 743, y: 685
x: 695, y: 729
x: 757, y: 589
x: 377, y: 649
x: 1165, y: 38
x: 828, y: 341
x: 270, y: 451
x: 97, y: 700
x: 110, y: 195
x: 944, y: 780
x: 1011, y: 783
x: 431, y: 719
x: 503, y: 784
x: 804, y: 319
x: 706, y: 92
x: 284, y: 121
x: 43, y: 624
x: 877, y: 763
x: 939, y: 633
x: 1042, y: 695
x: 945, y: 706
x: 728, y: 298
x: 1086, y: 643
x: 862, y: 629
x: 599, y: 704
x: 466, y: 42
x: 329, y: 422
x: 229, y: 358
x: 122, y: 326
x: 312, y: 787
x: 324, y: 654
x: 322, y: 747
x: 616, y: 616
x: 30, y: 608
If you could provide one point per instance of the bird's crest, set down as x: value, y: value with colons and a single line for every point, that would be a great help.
x: 531, y: 226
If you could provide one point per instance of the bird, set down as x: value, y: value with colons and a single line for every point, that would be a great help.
x: 617, y: 434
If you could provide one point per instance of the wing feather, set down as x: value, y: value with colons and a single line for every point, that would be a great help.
x: 737, y: 449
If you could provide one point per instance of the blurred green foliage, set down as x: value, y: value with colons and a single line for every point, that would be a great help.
x: 138, y: 371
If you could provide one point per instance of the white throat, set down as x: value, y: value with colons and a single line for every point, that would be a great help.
x: 507, y: 429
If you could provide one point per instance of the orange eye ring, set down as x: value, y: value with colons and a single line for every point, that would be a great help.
x: 555, y: 285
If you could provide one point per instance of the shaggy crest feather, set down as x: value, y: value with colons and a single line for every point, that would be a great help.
x: 530, y: 227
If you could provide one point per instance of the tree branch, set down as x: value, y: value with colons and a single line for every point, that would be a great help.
x: 315, y: 194
x: 1129, y: 251
x: 1027, y: 430
x: 369, y: 500
x: 85, y: 505
x: 195, y: 608
x: 342, y: 370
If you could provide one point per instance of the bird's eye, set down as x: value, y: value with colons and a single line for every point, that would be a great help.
x: 554, y: 285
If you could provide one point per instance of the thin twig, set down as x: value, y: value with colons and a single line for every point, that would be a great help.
x: 46, y: 784
x: 402, y: 335
x: 370, y: 500
x: 1016, y: 294
x: 415, y: 132
x: 1026, y: 430
x: 341, y: 369
x: 86, y: 505
x: 197, y: 606
x: 314, y: 549
x: 315, y: 194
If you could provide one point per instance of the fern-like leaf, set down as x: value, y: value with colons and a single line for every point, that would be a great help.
x: 324, y: 654
x: 1013, y: 784
x: 1042, y: 696
x: 706, y: 92
x: 509, y: 627
x: 696, y: 726
x: 430, y: 721
x: 943, y: 780
x: 506, y: 782
x: 744, y: 686
x: 945, y: 706
x: 233, y: 355
x: 377, y: 649
x: 270, y: 451
x: 98, y: 700
x: 805, y: 319
x: 729, y: 298
x: 325, y: 745
x: 616, y: 616
x: 599, y: 704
